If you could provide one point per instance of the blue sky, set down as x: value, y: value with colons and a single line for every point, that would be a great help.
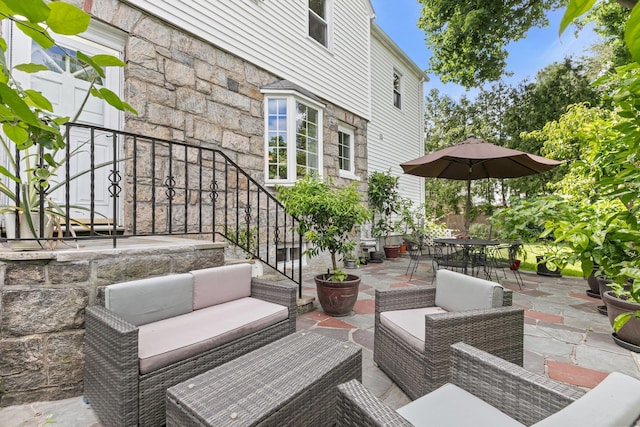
x: 541, y: 47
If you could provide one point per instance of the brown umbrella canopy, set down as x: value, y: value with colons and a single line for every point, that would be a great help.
x: 475, y: 158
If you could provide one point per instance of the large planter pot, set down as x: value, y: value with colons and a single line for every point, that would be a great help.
x: 376, y: 256
x: 391, y: 251
x: 542, y: 269
x: 25, y: 231
x: 337, y: 298
x: 629, y: 335
x: 594, y: 286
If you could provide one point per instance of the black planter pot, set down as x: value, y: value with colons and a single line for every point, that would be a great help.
x: 542, y: 269
x: 376, y: 256
x: 629, y: 335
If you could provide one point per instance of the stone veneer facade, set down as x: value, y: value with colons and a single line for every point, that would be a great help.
x: 184, y: 89
x: 43, y: 296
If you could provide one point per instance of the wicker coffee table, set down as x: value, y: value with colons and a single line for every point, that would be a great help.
x: 291, y: 381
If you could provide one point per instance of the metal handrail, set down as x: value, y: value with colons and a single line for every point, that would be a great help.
x: 158, y: 187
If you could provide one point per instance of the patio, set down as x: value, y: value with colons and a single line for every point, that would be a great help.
x: 565, y: 338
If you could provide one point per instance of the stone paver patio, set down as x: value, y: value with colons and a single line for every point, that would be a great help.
x: 566, y: 338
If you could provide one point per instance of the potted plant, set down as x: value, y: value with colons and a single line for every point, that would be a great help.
x: 327, y: 218
x: 384, y: 201
x: 31, y: 131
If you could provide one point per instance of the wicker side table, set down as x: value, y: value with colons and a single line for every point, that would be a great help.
x: 291, y: 381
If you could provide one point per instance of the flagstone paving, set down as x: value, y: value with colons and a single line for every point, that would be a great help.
x: 565, y: 337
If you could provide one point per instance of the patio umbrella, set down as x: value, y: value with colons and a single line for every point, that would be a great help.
x: 475, y: 158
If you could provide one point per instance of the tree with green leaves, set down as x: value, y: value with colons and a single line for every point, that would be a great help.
x: 469, y: 40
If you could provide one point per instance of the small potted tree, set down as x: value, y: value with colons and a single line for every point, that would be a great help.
x: 384, y: 201
x: 328, y: 216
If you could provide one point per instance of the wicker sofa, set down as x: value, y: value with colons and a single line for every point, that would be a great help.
x: 488, y: 391
x: 415, y: 327
x: 154, y: 333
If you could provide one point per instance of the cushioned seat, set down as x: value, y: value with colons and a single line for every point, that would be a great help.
x: 415, y: 326
x: 488, y: 391
x: 167, y: 341
x: 451, y: 406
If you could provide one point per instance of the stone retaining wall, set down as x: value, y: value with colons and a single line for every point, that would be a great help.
x: 43, y: 296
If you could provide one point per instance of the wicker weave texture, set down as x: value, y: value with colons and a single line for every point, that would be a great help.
x: 498, y: 331
x: 116, y: 391
x: 290, y: 382
x: 524, y: 396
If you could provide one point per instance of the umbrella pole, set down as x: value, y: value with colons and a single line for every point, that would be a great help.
x: 468, y: 209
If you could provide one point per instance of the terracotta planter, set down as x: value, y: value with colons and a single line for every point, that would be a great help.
x: 337, y: 298
x: 391, y: 251
x: 630, y: 333
x: 403, y: 248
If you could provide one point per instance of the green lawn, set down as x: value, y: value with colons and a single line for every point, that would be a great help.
x: 529, y: 263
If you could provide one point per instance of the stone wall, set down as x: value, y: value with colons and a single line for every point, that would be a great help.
x: 43, y: 296
x: 188, y: 90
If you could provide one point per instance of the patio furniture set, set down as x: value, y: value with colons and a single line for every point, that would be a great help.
x: 152, y: 359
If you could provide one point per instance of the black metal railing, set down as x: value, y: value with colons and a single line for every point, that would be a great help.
x: 114, y: 185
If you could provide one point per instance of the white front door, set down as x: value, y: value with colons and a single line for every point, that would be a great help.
x: 65, y: 85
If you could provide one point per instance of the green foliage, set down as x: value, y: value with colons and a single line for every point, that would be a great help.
x: 384, y: 201
x: 26, y: 116
x: 468, y: 40
x: 337, y: 275
x: 327, y: 215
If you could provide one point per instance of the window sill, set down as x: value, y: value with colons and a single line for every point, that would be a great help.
x: 348, y: 175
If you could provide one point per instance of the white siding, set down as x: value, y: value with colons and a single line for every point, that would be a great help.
x: 273, y: 35
x: 395, y: 135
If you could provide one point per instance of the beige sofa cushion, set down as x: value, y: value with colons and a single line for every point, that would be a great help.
x: 149, y: 300
x: 167, y: 341
x: 451, y: 406
x: 221, y: 284
x: 409, y: 324
x: 460, y: 292
x: 613, y: 402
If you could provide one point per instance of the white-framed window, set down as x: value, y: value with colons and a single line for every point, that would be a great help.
x: 320, y: 21
x: 346, y: 152
x: 397, y: 89
x: 293, y: 138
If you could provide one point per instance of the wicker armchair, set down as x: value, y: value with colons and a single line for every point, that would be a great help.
x: 420, y: 366
x: 122, y: 395
x: 521, y: 396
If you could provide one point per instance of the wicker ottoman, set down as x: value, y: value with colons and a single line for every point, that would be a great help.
x: 291, y: 381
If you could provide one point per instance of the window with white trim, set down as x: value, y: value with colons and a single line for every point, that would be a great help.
x: 346, y: 152
x: 397, y: 89
x: 319, y: 22
x: 293, y: 136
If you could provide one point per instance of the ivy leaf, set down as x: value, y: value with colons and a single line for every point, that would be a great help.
x: 89, y: 61
x: 31, y: 67
x: 38, y: 100
x: 36, y: 33
x: 17, y: 134
x: 112, y: 99
x: 575, y: 8
x: 67, y: 19
x: 34, y: 10
x: 632, y: 33
x: 621, y: 320
x: 17, y: 105
x: 108, y: 60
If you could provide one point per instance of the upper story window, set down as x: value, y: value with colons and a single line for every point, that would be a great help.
x: 293, y: 145
x: 319, y: 21
x: 397, y: 89
x: 346, y: 152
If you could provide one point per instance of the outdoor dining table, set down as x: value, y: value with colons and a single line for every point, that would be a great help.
x: 467, y: 245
